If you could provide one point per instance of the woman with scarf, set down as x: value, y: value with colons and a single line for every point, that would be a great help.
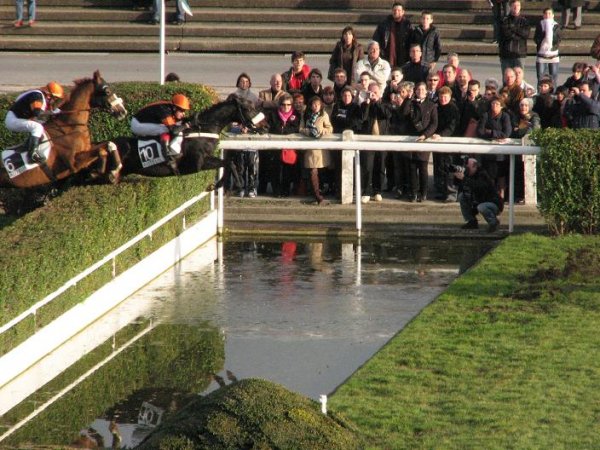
x: 280, y: 166
x: 547, y: 40
x: 316, y: 124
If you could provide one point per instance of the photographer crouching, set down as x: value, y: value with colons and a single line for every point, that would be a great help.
x: 478, y: 195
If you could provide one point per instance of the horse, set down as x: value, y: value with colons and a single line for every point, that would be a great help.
x: 68, y: 136
x: 145, y: 156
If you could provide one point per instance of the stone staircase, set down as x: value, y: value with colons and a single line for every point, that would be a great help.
x: 260, y: 26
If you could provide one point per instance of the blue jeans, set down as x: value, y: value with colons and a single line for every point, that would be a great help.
x: 178, y: 11
x: 31, y: 9
x: 488, y: 210
x: 547, y: 68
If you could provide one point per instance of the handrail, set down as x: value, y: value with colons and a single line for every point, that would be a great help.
x: 388, y: 143
x: 111, y: 256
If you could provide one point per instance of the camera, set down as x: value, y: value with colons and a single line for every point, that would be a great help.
x: 453, y: 168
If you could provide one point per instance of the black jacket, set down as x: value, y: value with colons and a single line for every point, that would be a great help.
x: 448, y: 119
x: 480, y: 188
x: 514, y: 32
x: 276, y: 125
x: 346, y: 117
x: 415, y: 72
x: 583, y: 112
x: 429, y: 41
x: 494, y: 128
x: 382, y: 36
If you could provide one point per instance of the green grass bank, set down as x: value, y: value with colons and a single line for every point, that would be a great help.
x: 507, y: 357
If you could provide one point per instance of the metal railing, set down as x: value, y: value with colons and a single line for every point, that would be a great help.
x: 32, y: 310
x: 357, y: 142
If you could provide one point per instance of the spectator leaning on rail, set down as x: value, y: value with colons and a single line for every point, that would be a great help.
x: 582, y: 111
x: 448, y: 122
x: 428, y: 37
x: 30, y: 110
x: 161, y: 119
x: 478, y: 196
x: 297, y: 75
x: 514, y: 32
x: 393, y: 36
x: 379, y: 69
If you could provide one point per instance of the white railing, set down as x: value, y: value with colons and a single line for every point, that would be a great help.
x: 356, y: 142
x: 32, y: 310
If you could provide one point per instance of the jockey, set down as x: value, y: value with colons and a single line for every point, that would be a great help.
x: 30, y: 110
x: 161, y: 119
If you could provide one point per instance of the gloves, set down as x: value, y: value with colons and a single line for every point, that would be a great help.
x: 314, y: 132
x: 177, y: 129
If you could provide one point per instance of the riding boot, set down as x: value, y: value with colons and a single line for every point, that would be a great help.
x: 32, y: 149
x: 314, y: 181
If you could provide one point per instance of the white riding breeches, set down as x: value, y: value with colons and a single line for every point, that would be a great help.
x: 147, y: 129
x: 13, y: 123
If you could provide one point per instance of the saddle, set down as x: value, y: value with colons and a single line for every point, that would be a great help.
x: 152, y: 153
x: 16, y: 161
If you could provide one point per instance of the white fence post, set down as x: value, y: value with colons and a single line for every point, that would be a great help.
x: 347, y: 169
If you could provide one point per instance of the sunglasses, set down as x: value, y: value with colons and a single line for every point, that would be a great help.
x: 286, y: 104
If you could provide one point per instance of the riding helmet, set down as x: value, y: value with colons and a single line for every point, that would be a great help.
x: 181, y: 101
x: 55, y: 89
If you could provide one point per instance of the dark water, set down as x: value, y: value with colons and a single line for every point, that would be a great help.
x: 305, y: 314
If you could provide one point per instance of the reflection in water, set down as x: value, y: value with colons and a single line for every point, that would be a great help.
x: 305, y: 314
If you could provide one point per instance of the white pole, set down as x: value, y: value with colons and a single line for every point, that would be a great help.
x: 162, y: 42
x: 221, y: 198
x: 357, y: 192
x: 323, y: 399
x: 511, y: 195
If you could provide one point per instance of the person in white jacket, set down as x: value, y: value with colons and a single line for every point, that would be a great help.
x: 547, y: 40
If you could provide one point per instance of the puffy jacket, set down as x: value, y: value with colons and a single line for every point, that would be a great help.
x: 514, y: 32
x: 429, y: 41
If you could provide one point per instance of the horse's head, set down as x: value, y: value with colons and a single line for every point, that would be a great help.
x: 247, y: 114
x: 103, y: 97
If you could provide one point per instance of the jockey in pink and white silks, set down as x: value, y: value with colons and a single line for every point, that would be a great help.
x: 30, y: 110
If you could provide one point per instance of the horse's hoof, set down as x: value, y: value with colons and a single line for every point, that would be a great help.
x: 114, y: 177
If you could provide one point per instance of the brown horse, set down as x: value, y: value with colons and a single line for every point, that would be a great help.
x: 69, y: 136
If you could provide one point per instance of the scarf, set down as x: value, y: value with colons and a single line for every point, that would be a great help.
x: 546, y: 44
x: 284, y: 116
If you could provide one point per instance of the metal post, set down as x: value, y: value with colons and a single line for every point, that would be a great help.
x: 221, y: 198
x: 162, y: 42
x: 511, y: 194
x: 357, y: 192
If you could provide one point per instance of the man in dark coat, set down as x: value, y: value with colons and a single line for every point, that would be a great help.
x: 448, y: 122
x: 428, y: 37
x: 583, y: 111
x: 415, y: 70
x: 514, y: 32
x: 478, y: 195
x: 393, y: 35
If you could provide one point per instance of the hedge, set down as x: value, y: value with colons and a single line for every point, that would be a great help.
x: 569, y: 179
x: 46, y: 248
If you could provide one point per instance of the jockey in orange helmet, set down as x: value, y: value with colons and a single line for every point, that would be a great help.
x: 161, y: 119
x: 30, y: 110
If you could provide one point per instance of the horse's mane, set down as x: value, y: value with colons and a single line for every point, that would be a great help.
x: 82, y: 80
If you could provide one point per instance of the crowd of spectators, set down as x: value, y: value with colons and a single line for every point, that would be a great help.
x: 400, y: 87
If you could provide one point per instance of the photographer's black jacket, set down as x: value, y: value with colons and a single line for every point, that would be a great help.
x: 481, y: 188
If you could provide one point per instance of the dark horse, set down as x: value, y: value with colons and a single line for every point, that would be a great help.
x: 197, y: 147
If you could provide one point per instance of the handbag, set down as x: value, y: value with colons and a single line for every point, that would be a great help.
x: 289, y: 156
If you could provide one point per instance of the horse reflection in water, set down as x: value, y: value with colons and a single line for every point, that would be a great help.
x: 197, y: 145
x: 69, y: 135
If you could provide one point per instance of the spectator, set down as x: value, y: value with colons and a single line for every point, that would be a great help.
x: 415, y: 70
x: 378, y: 68
x: 514, y: 32
x: 562, y: 97
x: 315, y: 123
x: 433, y: 84
x: 478, y: 196
x: 284, y: 120
x: 392, y: 84
x: 582, y: 110
x: 546, y: 106
x: 422, y: 122
x: 448, y: 121
x: 30, y: 13
x: 576, y: 76
x: 528, y: 89
x: 595, y: 49
x: 269, y: 98
x: 242, y: 165
x: 454, y: 61
x: 472, y: 110
x: 495, y: 125
x: 362, y: 89
x: 393, y: 36
x: 499, y: 12
x: 313, y: 87
x: 398, y: 110
x: 461, y: 88
x: 428, y: 38
x: 547, y: 40
x: 346, y: 53
x: 491, y: 83
x: 375, y: 119
x: 571, y: 7
x: 340, y: 81
x: 328, y: 100
x: 243, y: 84
x: 179, y: 13
x: 526, y: 122
x: 297, y: 75
x: 449, y: 74
x: 514, y: 92
x: 172, y: 77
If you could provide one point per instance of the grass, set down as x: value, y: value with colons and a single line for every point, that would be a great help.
x: 507, y: 357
